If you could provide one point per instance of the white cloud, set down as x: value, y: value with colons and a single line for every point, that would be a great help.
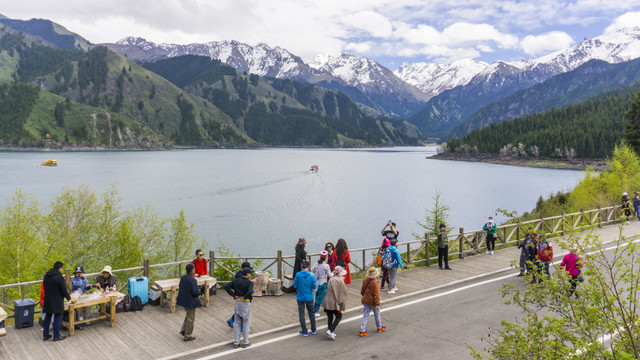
x: 360, y: 48
x: 370, y: 22
x: 551, y: 41
x: 629, y: 19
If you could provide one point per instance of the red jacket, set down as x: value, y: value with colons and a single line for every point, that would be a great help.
x: 201, y: 266
x: 546, y: 254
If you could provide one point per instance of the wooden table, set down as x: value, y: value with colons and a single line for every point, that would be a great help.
x: 86, y: 300
x: 3, y: 315
x: 172, y: 285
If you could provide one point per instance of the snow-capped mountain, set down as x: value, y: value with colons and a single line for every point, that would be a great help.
x: 445, y: 111
x: 432, y: 79
x: 365, y: 80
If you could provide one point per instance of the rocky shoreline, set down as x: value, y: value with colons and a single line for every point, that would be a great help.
x: 576, y: 164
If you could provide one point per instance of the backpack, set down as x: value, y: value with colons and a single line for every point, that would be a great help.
x: 387, y: 259
x: 126, y: 302
x: 136, y: 303
x: 379, y: 256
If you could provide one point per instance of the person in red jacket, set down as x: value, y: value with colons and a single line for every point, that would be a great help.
x: 200, y: 263
x: 545, y: 256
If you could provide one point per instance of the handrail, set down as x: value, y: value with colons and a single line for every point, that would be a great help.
x: 461, y: 244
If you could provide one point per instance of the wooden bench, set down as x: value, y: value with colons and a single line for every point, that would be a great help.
x: 3, y: 315
x: 172, y: 285
x: 87, y: 300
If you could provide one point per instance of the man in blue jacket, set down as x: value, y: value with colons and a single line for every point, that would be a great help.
x: 189, y: 299
x: 305, y: 283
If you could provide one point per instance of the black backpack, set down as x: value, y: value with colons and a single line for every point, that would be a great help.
x: 136, y: 303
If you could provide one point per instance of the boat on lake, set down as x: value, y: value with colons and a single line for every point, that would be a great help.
x: 314, y: 168
x: 49, y: 163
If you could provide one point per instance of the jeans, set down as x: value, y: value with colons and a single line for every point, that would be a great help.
x: 385, y: 277
x: 56, y: 325
x: 312, y: 318
x: 491, y: 242
x: 392, y: 277
x: 320, y: 293
x: 638, y: 212
x: 331, y: 323
x: 242, y: 318
x: 365, y: 316
x: 189, y: 320
x: 443, y: 253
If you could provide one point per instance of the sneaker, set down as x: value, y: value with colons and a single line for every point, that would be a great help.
x: 189, y: 338
x: 362, y: 333
x: 329, y: 334
x: 235, y: 346
x: 382, y: 288
x: 391, y: 292
x: 382, y: 329
x: 491, y: 252
x: 303, y: 333
x: 181, y: 332
x: 488, y: 252
x: 246, y: 345
x: 313, y: 332
x: 45, y: 338
x: 317, y: 315
x: 230, y: 323
x: 60, y: 338
x: 333, y: 336
x: 395, y: 289
x: 448, y: 268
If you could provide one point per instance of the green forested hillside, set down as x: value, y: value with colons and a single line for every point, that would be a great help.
x: 118, y: 86
x: 587, y: 130
x: 282, y: 112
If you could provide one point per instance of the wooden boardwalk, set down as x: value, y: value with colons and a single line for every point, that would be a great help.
x: 153, y: 332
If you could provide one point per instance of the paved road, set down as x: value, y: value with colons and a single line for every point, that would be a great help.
x: 433, y: 325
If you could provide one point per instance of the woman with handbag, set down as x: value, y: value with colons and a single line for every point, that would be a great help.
x: 572, y: 263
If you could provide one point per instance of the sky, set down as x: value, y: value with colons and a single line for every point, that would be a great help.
x: 389, y: 31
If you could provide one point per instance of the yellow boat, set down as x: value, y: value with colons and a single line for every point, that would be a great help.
x: 49, y: 163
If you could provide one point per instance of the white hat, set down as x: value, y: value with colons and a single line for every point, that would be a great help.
x: 107, y: 269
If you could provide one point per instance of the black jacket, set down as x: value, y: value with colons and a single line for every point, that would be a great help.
x: 301, y: 255
x: 188, y: 293
x: 55, y: 291
x: 241, y: 287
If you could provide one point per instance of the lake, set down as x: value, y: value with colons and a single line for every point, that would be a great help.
x: 260, y: 200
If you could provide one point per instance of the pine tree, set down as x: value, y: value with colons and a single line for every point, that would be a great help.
x: 632, y: 133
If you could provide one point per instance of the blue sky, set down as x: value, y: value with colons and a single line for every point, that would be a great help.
x: 390, y: 32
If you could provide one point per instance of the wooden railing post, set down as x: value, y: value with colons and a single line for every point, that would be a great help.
x: 564, y: 221
x: 22, y: 292
x: 427, y: 249
x: 67, y: 279
x: 599, y: 217
x: 212, y: 263
x: 541, y: 222
x: 461, y: 242
x: 145, y: 264
x: 280, y: 264
x: 408, y: 253
x: 364, y: 262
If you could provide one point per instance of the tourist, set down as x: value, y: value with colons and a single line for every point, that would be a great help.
x: 390, y: 233
x: 385, y: 272
x: 305, y: 283
x: 343, y: 259
x: 301, y: 255
x: 544, y: 253
x: 370, y: 292
x: 200, y: 263
x: 626, y: 207
x: 572, y: 264
x: 331, y: 257
x: 443, y: 248
x: 189, y: 299
x: 81, y: 284
x: 531, y: 248
x: 491, y: 228
x: 335, y: 302
x: 106, y: 279
x: 636, y: 203
x: 524, y: 253
x: 238, y: 275
x: 323, y: 273
x: 55, y: 291
x: 241, y: 289
x: 396, y: 261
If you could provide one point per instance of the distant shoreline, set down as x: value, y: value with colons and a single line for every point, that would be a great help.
x: 577, y: 164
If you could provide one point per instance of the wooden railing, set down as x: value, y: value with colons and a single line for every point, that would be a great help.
x: 460, y: 245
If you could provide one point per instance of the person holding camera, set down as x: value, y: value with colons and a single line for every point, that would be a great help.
x: 390, y: 233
